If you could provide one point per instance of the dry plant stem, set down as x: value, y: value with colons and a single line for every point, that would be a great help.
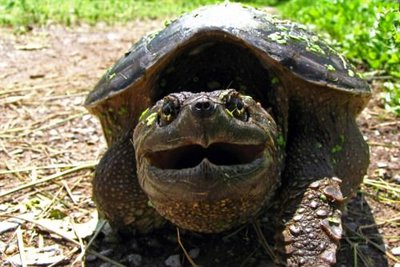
x: 52, y: 203
x: 390, y: 145
x: 368, y: 240
x: 69, y: 192
x: 243, y: 264
x: 397, y: 218
x: 262, y: 240
x: 68, y: 255
x: 25, y: 87
x: 43, y: 226
x: 21, y: 246
x: 184, y: 249
x: 82, y: 246
x: 104, y: 258
x: 49, y: 178
x: 53, y: 166
x: 384, y: 124
x: 380, y: 184
x: 33, y: 126
x: 50, y: 126
x: 68, y: 239
x: 96, y: 233
x: 86, y: 249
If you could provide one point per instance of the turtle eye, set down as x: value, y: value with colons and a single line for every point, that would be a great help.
x: 236, y: 108
x: 168, y: 112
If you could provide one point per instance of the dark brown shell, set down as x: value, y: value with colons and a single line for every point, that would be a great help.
x: 125, y: 90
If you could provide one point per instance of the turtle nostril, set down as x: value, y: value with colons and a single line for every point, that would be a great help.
x: 204, y: 105
x: 203, y: 108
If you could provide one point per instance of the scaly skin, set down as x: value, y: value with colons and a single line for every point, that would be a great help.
x: 312, y: 231
x: 117, y: 193
x: 327, y: 144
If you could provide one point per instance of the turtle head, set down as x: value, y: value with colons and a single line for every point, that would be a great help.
x: 207, y: 161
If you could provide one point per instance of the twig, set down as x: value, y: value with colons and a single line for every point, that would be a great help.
x: 183, y: 248
x: 42, y: 226
x: 67, y: 238
x: 380, y: 184
x: 104, y: 258
x: 69, y: 192
x: 261, y: 238
x: 367, y: 239
x: 379, y: 223
x: 53, y: 166
x: 27, y: 130
x: 390, y: 145
x: 88, y: 250
x: 32, y: 88
x: 383, y: 124
x: 21, y: 246
x: 99, y: 227
x: 82, y: 246
x: 49, y: 178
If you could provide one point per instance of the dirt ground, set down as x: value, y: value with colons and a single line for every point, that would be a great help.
x: 49, y: 146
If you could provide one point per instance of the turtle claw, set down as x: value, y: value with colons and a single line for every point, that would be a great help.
x: 313, y: 228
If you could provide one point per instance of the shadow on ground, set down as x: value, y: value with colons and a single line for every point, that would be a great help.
x: 239, y: 248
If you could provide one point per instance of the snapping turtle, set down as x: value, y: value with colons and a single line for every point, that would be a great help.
x: 225, y: 115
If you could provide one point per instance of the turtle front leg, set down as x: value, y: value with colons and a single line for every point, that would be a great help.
x: 117, y: 193
x: 311, y: 221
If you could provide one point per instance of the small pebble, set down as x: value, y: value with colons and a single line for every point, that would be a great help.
x: 11, y: 249
x: 154, y: 243
x: 382, y: 164
x: 352, y: 226
x: 173, y: 261
x: 135, y: 259
x: 106, y: 252
x: 194, y: 253
x: 90, y: 258
x: 396, y: 251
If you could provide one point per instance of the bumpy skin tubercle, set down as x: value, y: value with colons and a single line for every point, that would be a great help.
x: 311, y: 234
x: 117, y: 193
x: 309, y: 225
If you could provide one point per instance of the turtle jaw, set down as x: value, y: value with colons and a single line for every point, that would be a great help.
x: 213, y: 166
x: 208, y: 197
x: 193, y: 173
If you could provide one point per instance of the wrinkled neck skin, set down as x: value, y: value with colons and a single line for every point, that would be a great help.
x: 207, y: 161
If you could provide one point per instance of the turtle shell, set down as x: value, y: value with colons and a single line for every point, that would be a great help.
x: 223, y: 43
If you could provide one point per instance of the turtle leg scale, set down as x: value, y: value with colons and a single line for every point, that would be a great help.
x: 312, y: 225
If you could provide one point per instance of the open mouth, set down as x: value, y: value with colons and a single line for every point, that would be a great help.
x: 220, y: 154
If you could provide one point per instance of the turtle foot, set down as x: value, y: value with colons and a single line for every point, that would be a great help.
x: 312, y: 226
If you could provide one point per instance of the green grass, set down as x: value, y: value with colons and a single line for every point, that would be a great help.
x: 30, y: 12
x: 366, y: 31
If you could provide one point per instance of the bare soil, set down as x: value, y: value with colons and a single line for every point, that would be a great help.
x: 49, y: 146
